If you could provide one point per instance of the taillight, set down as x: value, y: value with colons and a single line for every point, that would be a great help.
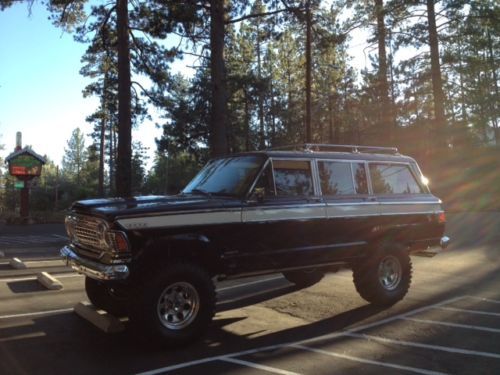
x: 441, y: 218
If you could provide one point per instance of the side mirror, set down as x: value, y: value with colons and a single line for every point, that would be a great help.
x: 259, y: 194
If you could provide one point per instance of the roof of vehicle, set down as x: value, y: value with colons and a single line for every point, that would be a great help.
x: 344, y: 152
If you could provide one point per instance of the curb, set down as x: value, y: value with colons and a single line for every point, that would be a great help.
x: 17, y: 264
x: 104, y: 321
x: 48, y: 281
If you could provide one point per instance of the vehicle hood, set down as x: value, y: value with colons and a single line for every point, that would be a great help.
x: 112, y: 208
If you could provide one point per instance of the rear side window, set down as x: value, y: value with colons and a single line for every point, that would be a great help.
x: 293, y: 177
x: 393, y: 179
x: 342, y: 178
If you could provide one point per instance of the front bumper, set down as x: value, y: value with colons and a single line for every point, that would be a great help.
x: 434, y: 248
x: 93, y: 269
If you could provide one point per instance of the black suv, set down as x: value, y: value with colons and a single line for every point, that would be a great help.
x: 300, y: 212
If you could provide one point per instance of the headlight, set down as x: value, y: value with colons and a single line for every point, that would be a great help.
x: 69, y: 225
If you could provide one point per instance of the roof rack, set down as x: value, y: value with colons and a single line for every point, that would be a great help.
x: 318, y: 147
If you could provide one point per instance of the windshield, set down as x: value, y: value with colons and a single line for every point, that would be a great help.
x: 230, y: 176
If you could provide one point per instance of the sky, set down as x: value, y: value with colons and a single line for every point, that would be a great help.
x: 41, y: 88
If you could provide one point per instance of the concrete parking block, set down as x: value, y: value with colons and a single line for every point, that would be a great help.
x: 17, y: 263
x: 49, y: 281
x: 102, y: 320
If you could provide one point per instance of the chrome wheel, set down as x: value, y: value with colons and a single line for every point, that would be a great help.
x: 390, y: 272
x: 178, y: 305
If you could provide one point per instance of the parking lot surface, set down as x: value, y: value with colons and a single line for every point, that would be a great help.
x: 449, y: 323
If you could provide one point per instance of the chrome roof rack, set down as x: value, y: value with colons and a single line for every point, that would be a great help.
x: 318, y: 147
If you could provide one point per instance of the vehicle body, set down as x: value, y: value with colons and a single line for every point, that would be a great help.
x: 302, y: 213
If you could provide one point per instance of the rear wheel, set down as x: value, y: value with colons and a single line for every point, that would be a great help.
x: 384, y: 278
x: 304, y: 278
x: 176, y: 305
x: 106, y: 297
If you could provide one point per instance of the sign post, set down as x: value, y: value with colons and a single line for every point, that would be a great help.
x: 25, y: 164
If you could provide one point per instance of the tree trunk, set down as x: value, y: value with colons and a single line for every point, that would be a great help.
x: 308, y: 71
x: 100, y: 188
x: 261, y: 94
x: 493, y: 66
x: 218, y: 123
x: 123, y: 161
x: 437, y: 83
x: 385, y: 108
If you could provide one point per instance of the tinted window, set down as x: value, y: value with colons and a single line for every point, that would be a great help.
x: 393, y: 179
x: 336, y: 178
x: 293, y: 177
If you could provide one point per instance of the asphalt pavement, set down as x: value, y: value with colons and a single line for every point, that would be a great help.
x: 448, y: 323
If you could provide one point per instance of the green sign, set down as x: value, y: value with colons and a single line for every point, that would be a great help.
x: 25, y: 165
x: 19, y: 184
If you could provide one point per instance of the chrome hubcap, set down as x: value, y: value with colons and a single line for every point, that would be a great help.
x: 390, y: 272
x: 178, y: 305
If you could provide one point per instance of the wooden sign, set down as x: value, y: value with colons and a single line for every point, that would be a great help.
x: 25, y: 165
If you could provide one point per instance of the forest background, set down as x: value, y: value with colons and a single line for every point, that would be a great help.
x: 272, y: 73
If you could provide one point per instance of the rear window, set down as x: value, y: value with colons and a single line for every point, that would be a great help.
x: 393, y: 179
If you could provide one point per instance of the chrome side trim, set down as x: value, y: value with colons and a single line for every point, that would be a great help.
x: 92, y: 269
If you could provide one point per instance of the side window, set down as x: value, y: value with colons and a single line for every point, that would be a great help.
x: 336, y: 178
x: 393, y: 179
x: 293, y: 177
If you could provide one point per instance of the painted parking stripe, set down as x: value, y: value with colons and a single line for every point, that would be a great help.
x: 485, y: 299
x: 368, y: 361
x: 38, y: 313
x: 328, y: 336
x: 62, y: 276
x: 455, y: 325
x: 477, y: 312
x: 257, y: 366
x: 422, y: 346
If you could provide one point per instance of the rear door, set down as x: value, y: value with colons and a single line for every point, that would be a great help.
x: 350, y: 208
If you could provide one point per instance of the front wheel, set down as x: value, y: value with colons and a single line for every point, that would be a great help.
x: 176, y: 305
x: 384, y: 278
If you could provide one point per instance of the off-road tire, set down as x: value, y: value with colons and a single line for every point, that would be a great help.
x: 175, y: 305
x: 303, y: 278
x: 105, y: 297
x: 385, y: 277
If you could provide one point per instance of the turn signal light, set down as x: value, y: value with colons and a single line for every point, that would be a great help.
x: 441, y: 218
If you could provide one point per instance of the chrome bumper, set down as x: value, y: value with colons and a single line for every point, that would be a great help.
x: 93, y: 269
x: 435, y: 249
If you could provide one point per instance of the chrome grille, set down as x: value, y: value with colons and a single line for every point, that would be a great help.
x: 87, y: 233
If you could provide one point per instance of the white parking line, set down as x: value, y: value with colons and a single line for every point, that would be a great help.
x: 314, y: 339
x: 485, y: 299
x: 456, y: 325
x: 38, y: 313
x: 63, y: 276
x: 477, y: 312
x: 257, y: 366
x: 423, y: 346
x: 368, y: 361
